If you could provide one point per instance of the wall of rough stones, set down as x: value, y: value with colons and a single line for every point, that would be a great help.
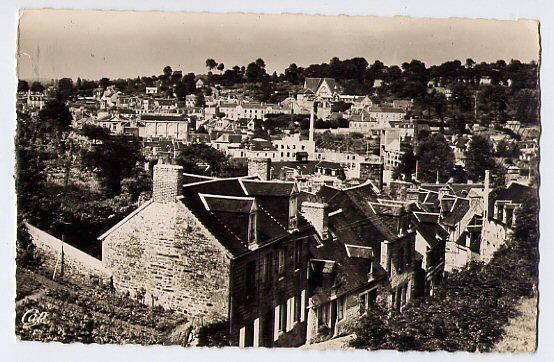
x: 260, y: 167
x: 76, y: 266
x: 164, y: 253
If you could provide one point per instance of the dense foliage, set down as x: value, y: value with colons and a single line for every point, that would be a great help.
x: 203, y: 159
x: 435, y: 159
x: 75, y: 184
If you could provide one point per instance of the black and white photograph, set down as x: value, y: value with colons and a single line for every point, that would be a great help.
x: 277, y: 180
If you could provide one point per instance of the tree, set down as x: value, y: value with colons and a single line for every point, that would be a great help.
x: 479, y: 157
x: 22, y: 86
x: 434, y: 157
x: 37, y: 87
x: 260, y: 63
x: 189, y: 83
x: 199, y: 101
x: 220, y: 67
x: 65, y: 89
x: 116, y: 158
x: 210, y: 63
x: 407, y: 166
x: 167, y: 71
x: 104, y: 82
x: 252, y: 72
x: 526, y: 105
x: 55, y: 118
x: 461, y: 97
x: 205, y: 160
x: 291, y: 73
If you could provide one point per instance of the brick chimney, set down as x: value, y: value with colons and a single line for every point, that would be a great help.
x: 260, y: 167
x: 168, y: 180
x: 317, y: 214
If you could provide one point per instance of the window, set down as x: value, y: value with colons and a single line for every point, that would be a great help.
x: 297, y: 307
x: 408, y: 255
x: 340, y: 308
x: 367, y: 301
x: 267, y: 275
x: 250, y: 278
x: 298, y: 254
x: 323, y: 315
x: 282, y: 317
x: 252, y: 228
x: 282, y: 260
x: 400, y: 260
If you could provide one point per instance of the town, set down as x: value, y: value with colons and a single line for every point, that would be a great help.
x: 285, y: 210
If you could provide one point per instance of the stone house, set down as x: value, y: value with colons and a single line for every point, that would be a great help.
x: 364, y: 254
x: 500, y: 216
x: 430, y: 244
x: 230, y: 250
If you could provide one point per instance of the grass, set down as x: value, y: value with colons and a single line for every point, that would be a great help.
x: 520, y: 334
x: 89, y: 314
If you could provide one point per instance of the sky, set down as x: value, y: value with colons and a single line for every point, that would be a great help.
x: 119, y: 44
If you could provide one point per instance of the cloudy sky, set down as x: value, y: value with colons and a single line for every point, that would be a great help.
x: 93, y: 44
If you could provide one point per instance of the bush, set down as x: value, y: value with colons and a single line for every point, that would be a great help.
x: 214, y: 335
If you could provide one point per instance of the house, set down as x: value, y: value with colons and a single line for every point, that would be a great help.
x: 171, y: 126
x: 231, y: 250
x: 384, y: 114
x: 430, y: 245
x: 321, y: 87
x: 151, y: 90
x: 190, y: 100
x: 404, y: 104
x: 363, y: 256
x: 500, y: 215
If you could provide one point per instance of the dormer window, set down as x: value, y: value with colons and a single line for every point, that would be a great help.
x: 252, y: 227
x: 293, y: 210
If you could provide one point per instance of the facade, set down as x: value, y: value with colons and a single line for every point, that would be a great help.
x: 226, y: 250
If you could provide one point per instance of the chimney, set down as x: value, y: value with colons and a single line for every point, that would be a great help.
x: 317, y: 214
x: 443, y: 191
x: 312, y: 116
x: 260, y: 167
x: 385, y: 259
x: 168, y: 180
x: 486, y: 192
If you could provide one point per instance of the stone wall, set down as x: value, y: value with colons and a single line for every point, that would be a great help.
x: 259, y: 167
x: 165, y: 253
x: 167, y: 183
x: 75, y: 265
x: 317, y: 214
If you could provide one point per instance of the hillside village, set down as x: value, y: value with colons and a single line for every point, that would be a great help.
x: 284, y: 206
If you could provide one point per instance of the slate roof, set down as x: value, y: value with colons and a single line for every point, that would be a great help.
x: 223, y: 206
x: 268, y: 188
x: 303, y: 168
x: 357, y: 231
x: 313, y: 84
x: 459, y: 209
x: 515, y: 192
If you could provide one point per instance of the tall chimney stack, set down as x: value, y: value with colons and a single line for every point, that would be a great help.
x: 168, y: 181
x: 312, y: 119
x: 260, y: 167
x: 486, y: 192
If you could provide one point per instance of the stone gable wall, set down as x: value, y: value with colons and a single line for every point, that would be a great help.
x: 166, y: 254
